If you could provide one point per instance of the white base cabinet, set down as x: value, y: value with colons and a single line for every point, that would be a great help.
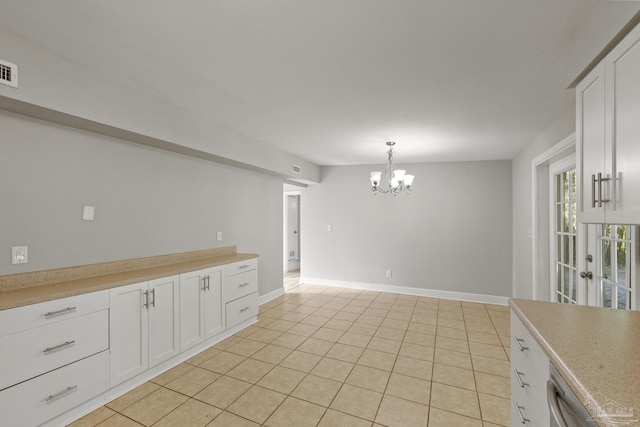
x: 529, y: 374
x: 143, y: 326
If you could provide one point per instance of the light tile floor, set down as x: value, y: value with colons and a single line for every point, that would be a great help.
x: 330, y: 357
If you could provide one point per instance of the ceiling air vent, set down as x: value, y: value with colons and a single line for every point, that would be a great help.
x: 296, y: 169
x: 8, y: 73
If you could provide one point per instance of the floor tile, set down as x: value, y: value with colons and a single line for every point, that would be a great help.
x: 362, y: 329
x: 295, y: 413
x: 265, y: 335
x: 483, y: 337
x: 345, y: 315
x: 327, y: 334
x: 347, y: 353
x: 395, y: 412
x: 333, y: 369
x: 460, y: 334
x: 118, y: 420
x: 333, y: 418
x: 257, y: 404
x: 227, y: 419
x: 452, y: 344
x: 390, y: 333
x: 493, y: 384
x: 301, y: 361
x: 369, y: 378
x: 440, y: 418
x: 282, y: 380
x: 413, y: 367
x: 492, y: 366
x: 409, y: 388
x: 315, y: 320
x: 223, y: 362
x: 202, y: 357
x: 385, y: 345
x: 132, y: 396
x: 303, y: 329
x: 370, y: 320
x: 488, y: 350
x: 377, y: 359
x: 250, y: 370
x: 280, y: 325
x: 419, y: 338
x: 357, y: 401
x: 94, y: 418
x: 394, y: 323
x: 317, y: 390
x: 272, y: 354
x: 455, y: 399
x: 357, y: 340
x: 453, y: 358
x: 316, y: 346
x: 154, y: 406
x: 192, y: 413
x: 416, y: 351
x: 340, y: 325
x: 495, y: 409
x: 223, y: 392
x: 287, y: 340
x: 454, y: 376
x: 193, y: 381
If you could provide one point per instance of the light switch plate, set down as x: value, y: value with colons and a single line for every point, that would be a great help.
x: 87, y: 213
x: 19, y: 255
x: 219, y: 236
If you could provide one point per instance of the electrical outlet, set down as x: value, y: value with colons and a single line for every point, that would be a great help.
x: 389, y: 273
x: 19, y: 255
x: 219, y: 236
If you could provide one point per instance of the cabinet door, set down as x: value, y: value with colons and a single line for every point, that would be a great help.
x: 164, y: 330
x: 623, y: 114
x: 590, y: 145
x: 128, y: 326
x: 213, y: 315
x: 191, y: 309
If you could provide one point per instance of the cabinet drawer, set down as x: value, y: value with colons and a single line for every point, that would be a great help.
x: 240, y: 267
x: 33, y: 352
x: 242, y: 309
x: 240, y: 285
x: 45, y: 313
x: 47, y: 396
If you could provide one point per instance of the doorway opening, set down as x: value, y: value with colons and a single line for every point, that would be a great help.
x: 291, y: 239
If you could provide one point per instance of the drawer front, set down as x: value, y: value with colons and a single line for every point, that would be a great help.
x: 47, y: 396
x: 240, y: 267
x: 242, y: 309
x: 33, y: 352
x: 240, y: 285
x: 45, y: 313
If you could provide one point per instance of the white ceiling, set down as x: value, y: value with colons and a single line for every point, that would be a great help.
x: 332, y: 80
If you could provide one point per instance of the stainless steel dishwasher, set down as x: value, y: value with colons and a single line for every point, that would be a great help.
x: 566, y: 410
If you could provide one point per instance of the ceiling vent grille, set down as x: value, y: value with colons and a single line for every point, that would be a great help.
x: 8, y: 73
x: 296, y: 169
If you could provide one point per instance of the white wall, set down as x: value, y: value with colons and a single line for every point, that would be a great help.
x: 452, y: 233
x: 148, y: 201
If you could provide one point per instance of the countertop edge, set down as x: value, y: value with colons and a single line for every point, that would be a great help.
x: 47, y: 292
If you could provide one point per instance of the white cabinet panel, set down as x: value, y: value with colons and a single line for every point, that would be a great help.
x: 163, y: 309
x: 33, y: 402
x: 200, y: 306
x: 242, y: 309
x: 33, y: 352
x: 240, y: 267
x: 240, y: 285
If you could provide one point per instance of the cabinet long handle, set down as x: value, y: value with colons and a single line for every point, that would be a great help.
x: 153, y: 294
x: 600, y: 200
x: 519, y: 342
x: 60, y: 393
x: 519, y: 409
x: 145, y: 304
x: 593, y: 190
x: 208, y: 282
x: 58, y: 347
x: 242, y: 285
x: 518, y: 377
x: 244, y: 266
x: 242, y: 310
x: 58, y: 312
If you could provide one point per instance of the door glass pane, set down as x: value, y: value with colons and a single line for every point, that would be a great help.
x: 621, y: 258
x: 606, y: 295
x: 616, y: 276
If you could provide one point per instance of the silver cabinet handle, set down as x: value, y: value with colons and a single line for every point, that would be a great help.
x: 244, y: 266
x: 593, y: 190
x: 53, y: 397
x: 600, y: 200
x: 519, y: 378
x: 519, y: 342
x: 519, y: 409
x: 243, y: 285
x: 242, y: 310
x: 153, y: 300
x: 208, y: 282
x: 145, y: 304
x: 554, y: 406
x: 58, y: 347
x: 58, y: 312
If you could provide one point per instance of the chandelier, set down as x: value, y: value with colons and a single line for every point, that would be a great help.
x: 397, y: 179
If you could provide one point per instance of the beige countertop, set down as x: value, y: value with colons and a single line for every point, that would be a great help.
x: 596, y: 350
x: 30, y: 288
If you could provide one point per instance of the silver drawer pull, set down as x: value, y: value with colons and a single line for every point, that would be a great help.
x: 519, y: 378
x: 519, y: 410
x: 244, y: 266
x: 58, y: 347
x: 63, y: 311
x: 519, y: 342
x: 60, y: 393
x: 242, y: 310
x: 243, y: 285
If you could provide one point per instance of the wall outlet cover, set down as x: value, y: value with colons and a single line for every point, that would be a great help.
x: 87, y: 213
x: 19, y: 255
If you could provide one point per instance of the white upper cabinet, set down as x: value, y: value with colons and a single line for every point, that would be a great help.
x: 608, y: 137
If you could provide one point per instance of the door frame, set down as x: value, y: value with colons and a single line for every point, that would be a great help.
x: 540, y: 215
x: 285, y: 228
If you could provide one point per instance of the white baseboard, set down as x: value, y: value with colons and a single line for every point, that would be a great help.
x: 270, y: 296
x: 408, y: 290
